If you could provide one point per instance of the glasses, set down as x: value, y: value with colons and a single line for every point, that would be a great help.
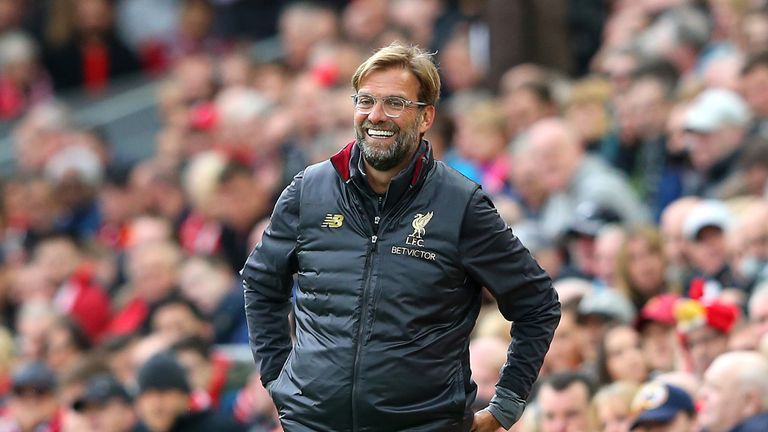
x: 393, y: 106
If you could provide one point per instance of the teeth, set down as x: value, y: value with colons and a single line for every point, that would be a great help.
x: 380, y: 133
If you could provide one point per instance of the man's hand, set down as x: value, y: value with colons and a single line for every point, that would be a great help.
x: 485, y: 422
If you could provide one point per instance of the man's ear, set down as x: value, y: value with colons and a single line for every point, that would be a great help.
x: 427, y: 118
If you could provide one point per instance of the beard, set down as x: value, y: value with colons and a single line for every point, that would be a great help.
x: 383, y: 159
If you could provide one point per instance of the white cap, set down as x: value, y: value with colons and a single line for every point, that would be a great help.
x: 708, y: 213
x: 716, y: 108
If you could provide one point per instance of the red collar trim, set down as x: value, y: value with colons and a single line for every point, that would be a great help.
x: 341, y: 160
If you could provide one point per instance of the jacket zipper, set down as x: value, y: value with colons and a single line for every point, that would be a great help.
x: 363, y: 313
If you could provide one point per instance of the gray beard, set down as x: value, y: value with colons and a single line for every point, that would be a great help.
x: 388, y: 158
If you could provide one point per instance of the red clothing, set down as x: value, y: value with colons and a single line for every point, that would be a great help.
x: 130, y: 318
x: 86, y: 302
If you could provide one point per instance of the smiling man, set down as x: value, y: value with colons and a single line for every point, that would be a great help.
x: 392, y: 249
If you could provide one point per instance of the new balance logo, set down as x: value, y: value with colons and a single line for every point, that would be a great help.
x: 332, y: 221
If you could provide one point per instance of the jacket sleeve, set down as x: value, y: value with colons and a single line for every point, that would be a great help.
x: 494, y: 257
x: 267, y: 282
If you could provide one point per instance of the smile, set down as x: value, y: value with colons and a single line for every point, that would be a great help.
x: 377, y: 133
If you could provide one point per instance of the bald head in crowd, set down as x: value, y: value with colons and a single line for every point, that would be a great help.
x: 735, y: 393
x: 557, y: 151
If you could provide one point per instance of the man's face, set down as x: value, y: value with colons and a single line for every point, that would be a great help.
x: 158, y: 409
x: 705, y: 344
x: 708, y: 252
x: 721, y: 399
x: 386, y: 152
x: 565, y: 350
x: 113, y: 416
x: 566, y: 410
x: 754, y: 85
x: 706, y: 149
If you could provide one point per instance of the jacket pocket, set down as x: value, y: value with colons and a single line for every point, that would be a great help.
x: 460, y: 393
x: 276, y: 388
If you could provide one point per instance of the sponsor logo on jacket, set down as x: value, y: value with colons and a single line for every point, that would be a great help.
x: 419, y: 224
x: 332, y: 221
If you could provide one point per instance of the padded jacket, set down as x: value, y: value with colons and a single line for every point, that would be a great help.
x: 389, y: 288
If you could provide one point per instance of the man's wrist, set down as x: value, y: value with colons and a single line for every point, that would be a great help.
x: 506, y: 406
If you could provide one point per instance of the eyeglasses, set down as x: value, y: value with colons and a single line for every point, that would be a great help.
x: 393, y: 105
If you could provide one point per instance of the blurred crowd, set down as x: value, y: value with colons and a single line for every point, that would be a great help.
x: 625, y: 142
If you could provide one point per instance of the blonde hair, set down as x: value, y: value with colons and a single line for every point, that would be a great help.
x: 409, y: 57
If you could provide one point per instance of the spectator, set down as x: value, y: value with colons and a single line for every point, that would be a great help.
x: 656, y: 325
x: 598, y: 311
x: 177, y: 318
x: 572, y: 178
x: 211, y: 375
x: 672, y: 221
x: 611, y: 406
x: 735, y: 393
x: 78, y: 294
x: 566, y: 350
x: 641, y: 266
x: 23, y: 81
x: 152, y: 277
x: 162, y: 401
x: 76, y: 172
x: 754, y: 77
x: 607, y: 247
x: 704, y: 230
x: 563, y: 403
x: 716, y: 123
x: 66, y: 344
x: 619, y: 356
x: 663, y: 408
x: 209, y: 283
x: 106, y: 405
x: 704, y: 330
x: 32, y: 404
x: 81, y: 47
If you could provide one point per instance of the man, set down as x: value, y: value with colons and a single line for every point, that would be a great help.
x: 734, y: 395
x: 571, y: 177
x: 705, y: 231
x: 563, y: 402
x: 163, y: 401
x: 704, y: 329
x: 716, y: 124
x: 32, y: 404
x: 662, y: 408
x: 391, y: 249
x: 106, y: 405
x: 754, y: 79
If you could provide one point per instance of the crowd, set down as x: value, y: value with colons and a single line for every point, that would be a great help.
x: 625, y: 143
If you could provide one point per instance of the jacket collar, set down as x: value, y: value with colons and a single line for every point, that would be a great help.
x: 346, y: 164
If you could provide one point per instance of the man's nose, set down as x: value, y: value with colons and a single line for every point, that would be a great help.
x: 377, y: 113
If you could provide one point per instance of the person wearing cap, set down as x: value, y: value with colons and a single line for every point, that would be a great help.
x: 658, y: 340
x: 705, y: 231
x: 597, y: 311
x: 163, y: 400
x: 106, y: 405
x: 734, y: 394
x: 662, y: 407
x: 704, y: 328
x: 715, y: 124
x: 32, y: 404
